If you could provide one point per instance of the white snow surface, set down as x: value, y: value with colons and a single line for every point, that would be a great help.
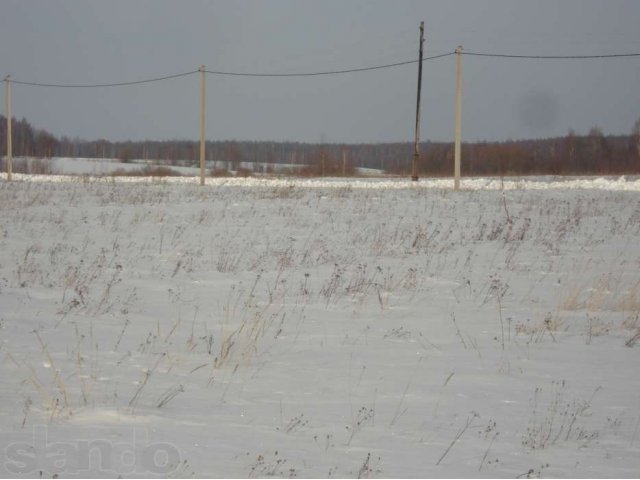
x: 320, y: 328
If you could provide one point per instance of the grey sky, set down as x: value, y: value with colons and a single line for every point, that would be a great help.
x: 60, y: 41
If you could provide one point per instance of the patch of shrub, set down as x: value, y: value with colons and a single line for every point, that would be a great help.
x: 157, y: 171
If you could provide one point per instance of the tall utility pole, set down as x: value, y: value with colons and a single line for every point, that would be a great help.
x: 416, y: 148
x: 458, y: 130
x: 7, y: 93
x: 202, y: 102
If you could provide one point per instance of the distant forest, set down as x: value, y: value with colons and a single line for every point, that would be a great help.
x: 591, y: 154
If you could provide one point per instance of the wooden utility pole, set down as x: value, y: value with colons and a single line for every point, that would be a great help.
x: 458, y: 129
x: 416, y: 148
x: 7, y: 85
x: 202, y: 119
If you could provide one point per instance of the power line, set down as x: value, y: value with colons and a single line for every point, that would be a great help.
x: 101, y: 85
x: 319, y: 73
x: 328, y: 72
x: 558, y: 57
x: 228, y: 73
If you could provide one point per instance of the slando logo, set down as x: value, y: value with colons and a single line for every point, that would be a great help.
x: 91, y: 456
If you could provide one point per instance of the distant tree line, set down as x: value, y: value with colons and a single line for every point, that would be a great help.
x: 594, y: 153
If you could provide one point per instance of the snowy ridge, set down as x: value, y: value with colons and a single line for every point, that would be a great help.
x: 622, y: 183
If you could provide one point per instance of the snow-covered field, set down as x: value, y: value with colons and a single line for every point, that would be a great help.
x: 319, y: 328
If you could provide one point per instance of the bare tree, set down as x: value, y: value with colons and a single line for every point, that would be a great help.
x: 635, y: 133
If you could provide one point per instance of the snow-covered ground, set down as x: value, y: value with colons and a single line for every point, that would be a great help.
x: 319, y: 328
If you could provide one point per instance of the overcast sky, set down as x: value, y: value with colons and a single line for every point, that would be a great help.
x: 64, y: 41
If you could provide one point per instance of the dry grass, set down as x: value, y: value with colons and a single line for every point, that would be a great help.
x: 601, y: 298
x: 148, y: 171
x: 30, y: 166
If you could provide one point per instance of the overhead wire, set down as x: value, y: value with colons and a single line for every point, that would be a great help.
x: 228, y: 73
x: 328, y: 72
x: 556, y: 57
x: 103, y: 85
x: 317, y: 73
